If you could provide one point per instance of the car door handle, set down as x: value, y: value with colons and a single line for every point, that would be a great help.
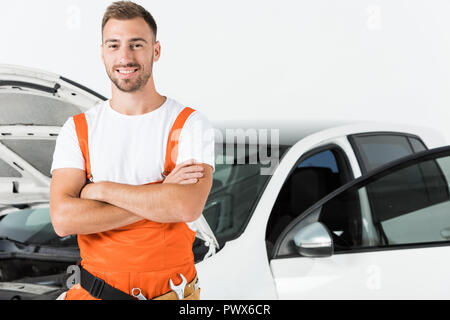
x: 445, y: 233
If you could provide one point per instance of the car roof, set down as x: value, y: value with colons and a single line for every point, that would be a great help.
x: 291, y: 132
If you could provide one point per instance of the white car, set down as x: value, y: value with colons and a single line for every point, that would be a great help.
x: 350, y: 211
x: 312, y: 231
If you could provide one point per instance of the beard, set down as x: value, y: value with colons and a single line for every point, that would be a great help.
x: 135, y: 84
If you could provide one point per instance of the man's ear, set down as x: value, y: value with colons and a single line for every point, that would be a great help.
x: 156, y: 51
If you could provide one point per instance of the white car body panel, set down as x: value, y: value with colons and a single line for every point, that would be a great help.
x: 392, y: 274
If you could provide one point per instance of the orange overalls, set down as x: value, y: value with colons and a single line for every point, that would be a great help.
x: 145, y: 254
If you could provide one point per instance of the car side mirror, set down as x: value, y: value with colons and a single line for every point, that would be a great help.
x: 314, y: 240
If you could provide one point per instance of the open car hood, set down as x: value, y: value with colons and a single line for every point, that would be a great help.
x: 33, y: 106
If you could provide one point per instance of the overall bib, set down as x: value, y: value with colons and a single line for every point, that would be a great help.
x: 145, y: 254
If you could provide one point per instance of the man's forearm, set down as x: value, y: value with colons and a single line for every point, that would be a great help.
x: 81, y: 216
x: 164, y: 203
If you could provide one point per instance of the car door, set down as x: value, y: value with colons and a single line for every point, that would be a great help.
x: 388, y: 231
x: 317, y: 173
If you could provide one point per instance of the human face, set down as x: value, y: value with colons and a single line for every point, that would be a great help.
x: 128, y: 52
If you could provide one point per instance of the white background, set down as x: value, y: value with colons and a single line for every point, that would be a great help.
x: 370, y: 60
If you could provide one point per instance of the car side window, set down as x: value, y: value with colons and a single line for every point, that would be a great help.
x: 402, y: 206
x: 316, y: 175
x: 375, y: 150
x: 407, y: 206
x: 417, y: 145
x: 412, y: 205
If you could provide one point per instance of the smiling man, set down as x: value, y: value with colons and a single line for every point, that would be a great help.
x: 131, y: 173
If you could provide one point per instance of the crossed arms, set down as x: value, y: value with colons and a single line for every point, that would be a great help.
x: 77, y: 208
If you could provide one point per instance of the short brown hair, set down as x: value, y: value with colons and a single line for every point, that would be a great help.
x: 124, y: 10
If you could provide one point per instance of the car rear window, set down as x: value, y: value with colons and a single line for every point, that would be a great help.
x: 375, y: 150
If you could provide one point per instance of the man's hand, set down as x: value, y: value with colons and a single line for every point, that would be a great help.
x: 185, y: 173
x: 91, y: 191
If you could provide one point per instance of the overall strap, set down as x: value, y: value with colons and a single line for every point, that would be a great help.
x: 81, y: 128
x: 174, y: 136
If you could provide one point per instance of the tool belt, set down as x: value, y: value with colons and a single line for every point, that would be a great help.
x: 99, y: 289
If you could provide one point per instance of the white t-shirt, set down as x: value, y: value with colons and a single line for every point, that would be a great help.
x: 132, y: 149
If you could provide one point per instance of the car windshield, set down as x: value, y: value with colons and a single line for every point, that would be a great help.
x: 237, y: 186
x: 30, y: 226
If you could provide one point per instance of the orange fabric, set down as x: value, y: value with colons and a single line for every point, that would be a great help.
x: 174, y: 136
x: 145, y: 254
x: 81, y: 128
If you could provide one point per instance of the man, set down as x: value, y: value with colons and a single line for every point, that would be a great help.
x: 132, y: 220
